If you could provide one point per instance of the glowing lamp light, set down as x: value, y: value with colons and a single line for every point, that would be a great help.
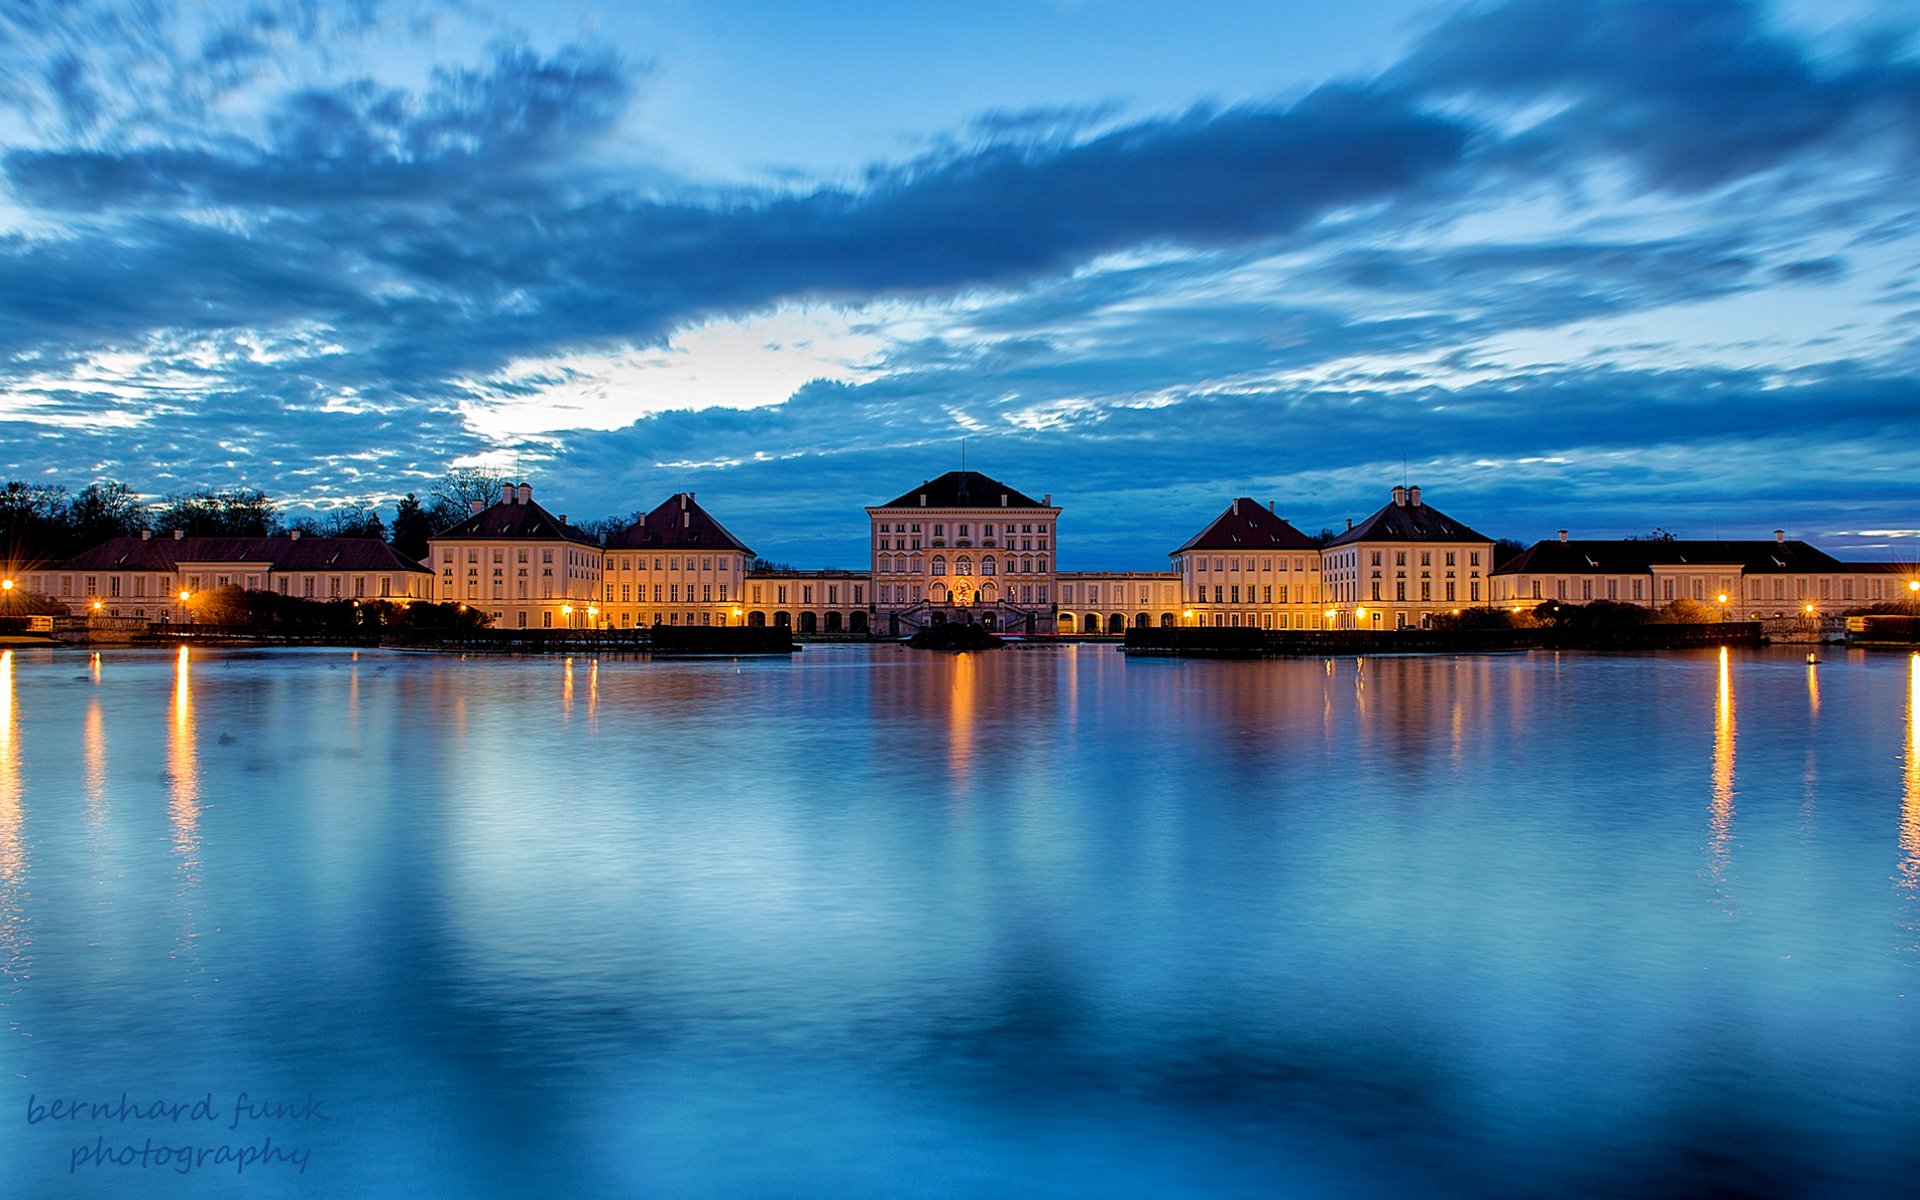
x: 1332, y: 613
x: 96, y: 606
x: 6, y: 585
x: 1809, y: 608
x: 1913, y: 585
x: 1723, y: 597
x: 1360, y: 612
x: 184, y: 596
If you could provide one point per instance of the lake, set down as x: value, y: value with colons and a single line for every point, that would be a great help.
x: 1046, y: 922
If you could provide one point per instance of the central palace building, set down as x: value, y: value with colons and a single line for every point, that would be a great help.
x: 968, y: 548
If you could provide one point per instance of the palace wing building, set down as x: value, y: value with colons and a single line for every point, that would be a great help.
x: 520, y: 564
x: 1745, y: 580
x: 1250, y: 568
x: 159, y: 579
x: 1404, y: 565
x: 675, y: 566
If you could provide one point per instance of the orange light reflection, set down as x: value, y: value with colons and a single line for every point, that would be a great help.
x: 1720, y: 838
x: 1910, y: 789
x: 960, y: 720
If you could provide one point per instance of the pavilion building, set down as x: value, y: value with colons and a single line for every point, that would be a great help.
x: 1404, y: 565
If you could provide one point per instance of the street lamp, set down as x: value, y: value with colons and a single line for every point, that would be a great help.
x: 1723, y: 606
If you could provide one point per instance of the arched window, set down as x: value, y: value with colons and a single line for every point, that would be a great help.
x: 939, y: 564
x: 964, y: 566
x: 987, y: 566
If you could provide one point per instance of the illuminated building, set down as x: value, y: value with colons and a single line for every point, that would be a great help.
x: 964, y: 547
x: 1760, y: 578
x: 518, y: 563
x: 145, y: 577
x: 675, y: 566
x: 1250, y: 568
x: 1404, y: 565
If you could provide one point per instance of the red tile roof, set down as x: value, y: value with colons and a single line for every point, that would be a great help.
x: 1247, y: 525
x: 678, y: 524
x: 278, y: 553
x: 515, y: 522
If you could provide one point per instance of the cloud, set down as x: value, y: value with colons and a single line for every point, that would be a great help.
x: 322, y: 274
x: 1694, y: 94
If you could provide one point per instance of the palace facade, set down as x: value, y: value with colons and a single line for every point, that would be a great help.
x: 161, y: 578
x: 966, y: 547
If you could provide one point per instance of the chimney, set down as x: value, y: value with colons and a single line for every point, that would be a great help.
x: 294, y: 536
x: 1563, y: 535
x: 476, y: 506
x: 1272, y: 509
x: 1349, y: 523
x: 506, y: 493
x: 693, y: 495
x: 526, y: 493
x: 1399, y: 497
x: 1413, y: 495
x: 178, y: 534
x: 1780, y: 535
x: 563, y: 518
x: 1047, y: 499
x: 146, y: 535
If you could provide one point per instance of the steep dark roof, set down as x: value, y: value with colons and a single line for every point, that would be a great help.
x: 1409, y: 522
x: 515, y: 521
x: 1247, y: 525
x: 280, y: 553
x: 1623, y: 557
x: 1881, y: 568
x: 679, y: 524
x: 963, y: 489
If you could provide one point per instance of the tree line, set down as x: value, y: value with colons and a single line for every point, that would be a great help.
x: 42, y: 522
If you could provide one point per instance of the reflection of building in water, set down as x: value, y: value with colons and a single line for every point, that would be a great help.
x: 183, y: 766
x: 1910, y: 791
x: 12, y: 849
x: 14, y: 941
x: 1720, y: 837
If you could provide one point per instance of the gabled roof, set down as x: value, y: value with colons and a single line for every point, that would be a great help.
x: 1628, y: 557
x: 515, y: 522
x: 963, y: 489
x: 1247, y: 525
x: 278, y: 553
x: 1409, y: 521
x: 679, y: 524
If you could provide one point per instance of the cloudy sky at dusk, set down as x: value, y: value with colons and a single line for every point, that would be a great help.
x: 1571, y: 262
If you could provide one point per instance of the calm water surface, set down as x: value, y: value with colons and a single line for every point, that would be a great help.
x: 1047, y: 922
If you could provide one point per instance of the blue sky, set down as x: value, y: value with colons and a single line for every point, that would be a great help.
x: 1566, y: 263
